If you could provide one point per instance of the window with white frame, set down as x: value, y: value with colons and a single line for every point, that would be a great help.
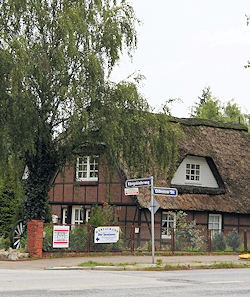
x: 87, y: 168
x: 65, y: 216
x: 214, y: 223
x: 193, y: 172
x: 168, y: 222
x: 77, y: 215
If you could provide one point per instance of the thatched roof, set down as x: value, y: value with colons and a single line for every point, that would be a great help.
x: 227, y: 147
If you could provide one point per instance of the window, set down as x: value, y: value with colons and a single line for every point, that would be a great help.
x: 168, y: 221
x: 65, y: 216
x: 192, y: 172
x: 77, y: 215
x: 214, y: 223
x: 87, y: 168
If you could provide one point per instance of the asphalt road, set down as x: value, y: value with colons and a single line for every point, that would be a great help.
x: 229, y: 282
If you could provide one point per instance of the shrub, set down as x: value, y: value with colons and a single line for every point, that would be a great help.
x: 186, y: 235
x: 48, y: 240
x: 4, y: 243
x: 233, y: 239
x: 219, y: 242
x: 78, y: 238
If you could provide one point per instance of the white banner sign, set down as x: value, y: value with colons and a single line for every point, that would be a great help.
x: 131, y: 191
x: 61, y: 237
x: 106, y: 234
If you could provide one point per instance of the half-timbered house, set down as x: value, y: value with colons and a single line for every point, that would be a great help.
x: 212, y: 176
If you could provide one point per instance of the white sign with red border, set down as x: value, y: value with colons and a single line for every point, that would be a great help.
x: 131, y: 191
x: 61, y: 237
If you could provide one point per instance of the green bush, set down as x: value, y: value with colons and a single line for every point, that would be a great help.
x: 78, y: 238
x: 4, y: 243
x: 219, y: 242
x: 233, y: 239
x: 48, y: 240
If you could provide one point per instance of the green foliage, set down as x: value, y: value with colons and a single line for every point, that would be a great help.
x: 104, y: 215
x: 4, y: 243
x: 233, y: 239
x: 186, y: 236
x: 48, y: 240
x: 10, y: 197
x: 219, y: 242
x: 56, y: 96
x: 212, y: 108
x: 78, y: 238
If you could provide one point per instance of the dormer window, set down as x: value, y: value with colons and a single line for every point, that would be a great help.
x: 196, y: 171
x: 87, y: 168
x: 192, y: 172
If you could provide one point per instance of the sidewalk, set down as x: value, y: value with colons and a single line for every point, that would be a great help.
x: 141, y: 261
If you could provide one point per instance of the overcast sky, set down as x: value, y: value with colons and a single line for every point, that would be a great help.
x: 185, y: 45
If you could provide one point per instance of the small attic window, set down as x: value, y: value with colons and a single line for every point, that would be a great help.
x: 192, y: 172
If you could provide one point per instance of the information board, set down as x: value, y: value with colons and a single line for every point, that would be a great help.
x: 60, y: 236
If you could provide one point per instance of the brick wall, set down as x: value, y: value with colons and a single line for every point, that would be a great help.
x: 35, y: 238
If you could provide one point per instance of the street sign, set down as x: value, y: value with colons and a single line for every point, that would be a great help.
x: 60, y: 236
x: 166, y: 191
x: 106, y: 234
x: 131, y: 191
x: 138, y: 182
x: 156, y: 206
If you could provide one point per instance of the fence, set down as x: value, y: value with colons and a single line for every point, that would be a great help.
x: 81, y: 239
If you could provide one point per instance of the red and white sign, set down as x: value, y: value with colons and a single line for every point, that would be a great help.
x: 131, y: 191
x: 61, y: 237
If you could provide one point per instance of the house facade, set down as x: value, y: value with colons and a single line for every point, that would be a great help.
x: 212, y: 176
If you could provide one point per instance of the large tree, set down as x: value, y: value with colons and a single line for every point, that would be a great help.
x: 56, y: 97
x: 210, y: 107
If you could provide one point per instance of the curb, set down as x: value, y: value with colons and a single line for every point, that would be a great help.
x: 122, y: 268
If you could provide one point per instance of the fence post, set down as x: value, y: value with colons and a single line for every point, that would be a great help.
x: 89, y: 238
x: 132, y: 238
x: 209, y: 240
x: 172, y: 240
x: 245, y: 241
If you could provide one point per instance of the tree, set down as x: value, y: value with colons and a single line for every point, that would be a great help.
x: 212, y: 108
x: 57, y: 98
x: 10, y: 197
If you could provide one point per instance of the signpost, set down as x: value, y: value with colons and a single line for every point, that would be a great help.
x: 153, y: 206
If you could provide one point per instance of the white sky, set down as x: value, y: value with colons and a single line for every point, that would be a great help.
x: 185, y: 45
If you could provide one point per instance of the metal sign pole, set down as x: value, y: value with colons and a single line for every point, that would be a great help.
x: 152, y: 219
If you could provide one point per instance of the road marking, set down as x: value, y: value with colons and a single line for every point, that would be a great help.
x: 226, y: 282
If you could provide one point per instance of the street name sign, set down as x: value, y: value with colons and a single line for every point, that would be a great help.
x: 138, y: 182
x: 60, y: 236
x: 166, y: 191
x: 131, y: 191
x: 106, y: 234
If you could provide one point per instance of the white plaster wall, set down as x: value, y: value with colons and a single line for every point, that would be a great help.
x: 207, y: 178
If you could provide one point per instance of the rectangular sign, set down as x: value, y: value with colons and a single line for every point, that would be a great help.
x: 131, y: 191
x: 138, y: 182
x: 166, y: 191
x: 60, y: 236
x: 106, y: 234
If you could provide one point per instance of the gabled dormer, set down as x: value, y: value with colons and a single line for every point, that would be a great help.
x: 196, y: 172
